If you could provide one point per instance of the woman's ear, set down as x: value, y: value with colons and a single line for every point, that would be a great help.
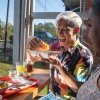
x: 76, y: 30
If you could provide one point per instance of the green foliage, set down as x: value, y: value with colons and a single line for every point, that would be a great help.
x: 49, y: 27
x: 4, y: 69
x: 10, y: 30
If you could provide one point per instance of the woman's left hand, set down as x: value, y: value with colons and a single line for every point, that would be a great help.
x: 55, y: 62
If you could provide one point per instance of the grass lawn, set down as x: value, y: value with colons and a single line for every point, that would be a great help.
x: 4, y: 69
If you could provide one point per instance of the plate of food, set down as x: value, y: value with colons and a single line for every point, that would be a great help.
x: 40, y: 50
x: 13, y: 86
x: 46, y: 56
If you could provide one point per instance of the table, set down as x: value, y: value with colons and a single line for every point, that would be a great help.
x: 28, y: 94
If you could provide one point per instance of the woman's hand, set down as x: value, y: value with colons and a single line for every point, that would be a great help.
x: 33, y: 43
x: 52, y: 60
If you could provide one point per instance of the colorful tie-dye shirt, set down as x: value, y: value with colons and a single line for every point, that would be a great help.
x: 78, y: 61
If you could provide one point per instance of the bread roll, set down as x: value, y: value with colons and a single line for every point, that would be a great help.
x: 38, y: 44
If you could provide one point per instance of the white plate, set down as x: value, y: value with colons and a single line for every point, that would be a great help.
x: 44, y: 54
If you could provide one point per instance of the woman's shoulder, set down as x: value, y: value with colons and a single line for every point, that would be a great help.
x: 98, y: 83
x: 96, y: 76
x: 85, y: 53
x: 84, y: 49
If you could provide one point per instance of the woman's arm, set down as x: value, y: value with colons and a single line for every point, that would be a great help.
x: 69, y: 79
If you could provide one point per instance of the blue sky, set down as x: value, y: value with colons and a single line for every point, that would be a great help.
x: 3, y: 10
x: 41, y: 6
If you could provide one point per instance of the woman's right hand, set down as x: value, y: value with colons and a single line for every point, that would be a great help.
x: 33, y: 43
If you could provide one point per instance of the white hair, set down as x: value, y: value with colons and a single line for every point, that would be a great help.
x: 73, y: 19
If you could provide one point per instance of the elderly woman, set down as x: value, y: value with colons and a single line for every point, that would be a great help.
x: 90, y: 90
x: 72, y: 67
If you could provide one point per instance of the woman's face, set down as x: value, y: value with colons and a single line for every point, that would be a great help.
x: 94, y: 33
x: 65, y: 33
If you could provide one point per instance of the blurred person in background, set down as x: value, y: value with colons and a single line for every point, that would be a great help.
x: 90, y: 90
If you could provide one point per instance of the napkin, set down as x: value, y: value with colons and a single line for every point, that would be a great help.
x: 22, y: 80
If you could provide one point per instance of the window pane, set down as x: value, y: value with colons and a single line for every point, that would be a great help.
x: 49, y: 6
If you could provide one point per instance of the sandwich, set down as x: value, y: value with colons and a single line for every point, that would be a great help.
x: 37, y: 44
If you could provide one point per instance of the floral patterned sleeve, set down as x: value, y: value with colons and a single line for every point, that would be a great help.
x: 83, y: 67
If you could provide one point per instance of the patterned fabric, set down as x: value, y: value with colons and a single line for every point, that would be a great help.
x: 89, y: 90
x: 78, y: 61
x: 55, y: 46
